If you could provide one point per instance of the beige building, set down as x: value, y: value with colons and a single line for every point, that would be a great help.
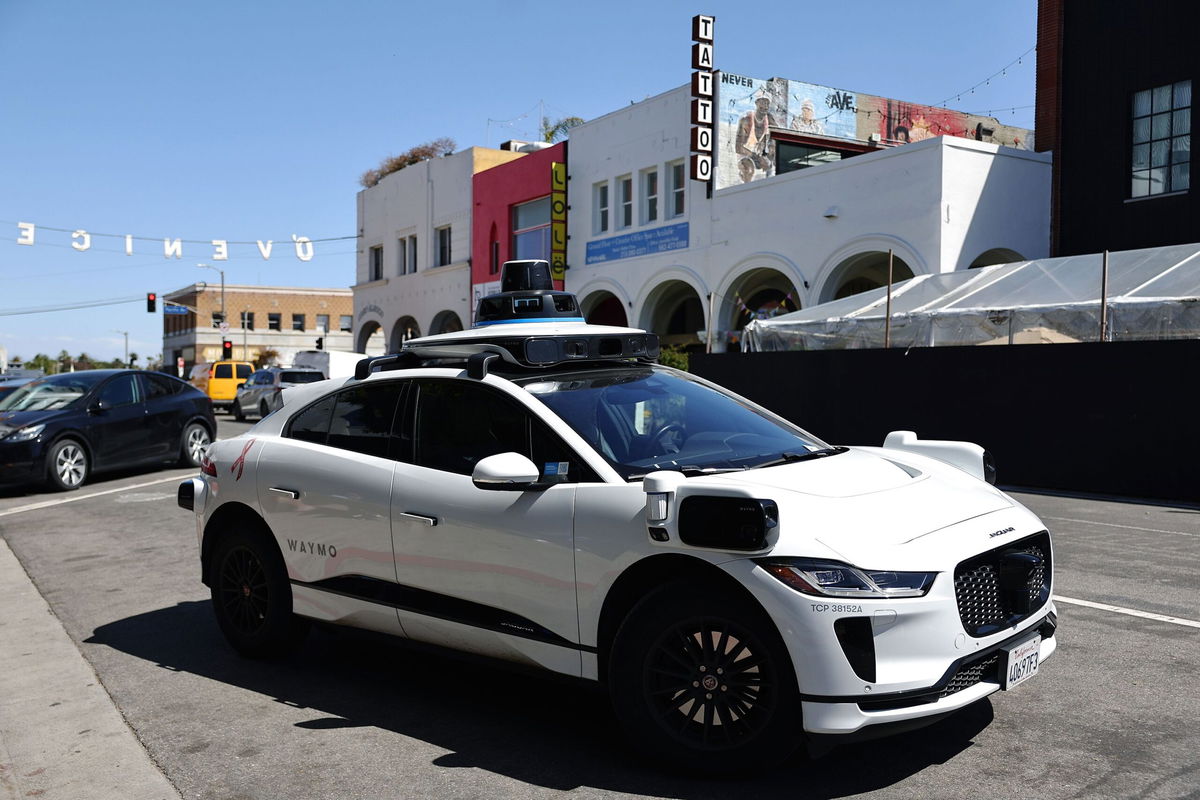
x: 280, y: 318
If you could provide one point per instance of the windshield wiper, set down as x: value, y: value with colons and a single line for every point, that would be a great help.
x: 791, y: 457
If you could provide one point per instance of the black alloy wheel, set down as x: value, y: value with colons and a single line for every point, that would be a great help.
x: 238, y: 414
x: 703, y: 680
x: 252, y: 598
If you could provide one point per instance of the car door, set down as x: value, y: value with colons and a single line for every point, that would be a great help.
x: 116, y: 425
x: 164, y: 415
x: 486, y: 571
x: 248, y: 393
x: 325, y: 487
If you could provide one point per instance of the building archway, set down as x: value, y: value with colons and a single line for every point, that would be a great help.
x: 862, y: 272
x: 675, y: 312
x: 445, y: 322
x: 997, y: 255
x: 758, y: 293
x: 369, y: 339
x: 604, y: 308
x: 405, y: 328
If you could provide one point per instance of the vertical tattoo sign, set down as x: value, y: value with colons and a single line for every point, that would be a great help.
x: 702, y: 97
x: 558, y: 220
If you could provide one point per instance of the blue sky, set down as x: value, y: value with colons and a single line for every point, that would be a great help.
x: 250, y: 121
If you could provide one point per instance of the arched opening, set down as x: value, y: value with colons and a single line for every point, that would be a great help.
x: 997, y: 255
x: 604, y: 308
x: 756, y: 294
x: 861, y: 273
x: 445, y: 322
x: 676, y: 313
x: 369, y: 339
x: 405, y: 328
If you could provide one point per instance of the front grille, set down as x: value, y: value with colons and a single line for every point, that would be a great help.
x: 1001, y: 587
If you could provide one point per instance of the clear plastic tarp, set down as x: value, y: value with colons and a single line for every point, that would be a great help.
x: 1151, y: 294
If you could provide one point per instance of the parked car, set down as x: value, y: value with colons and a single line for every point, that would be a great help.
x: 544, y: 493
x: 262, y: 392
x: 224, y: 378
x: 62, y: 428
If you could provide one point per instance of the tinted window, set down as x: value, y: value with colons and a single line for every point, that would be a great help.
x: 458, y: 423
x: 156, y: 386
x: 120, y: 391
x: 312, y: 424
x: 223, y: 371
x: 244, y: 370
x: 362, y: 418
x: 301, y: 377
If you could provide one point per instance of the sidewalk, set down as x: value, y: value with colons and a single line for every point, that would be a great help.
x: 61, y: 736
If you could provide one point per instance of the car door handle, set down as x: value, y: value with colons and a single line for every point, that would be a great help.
x: 292, y: 493
x: 421, y: 518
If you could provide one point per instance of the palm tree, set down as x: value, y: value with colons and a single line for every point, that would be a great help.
x: 553, y: 131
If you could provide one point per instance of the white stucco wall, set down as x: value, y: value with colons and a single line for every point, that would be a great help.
x: 937, y: 204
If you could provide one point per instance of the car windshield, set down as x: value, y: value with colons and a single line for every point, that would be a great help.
x: 644, y: 419
x: 301, y: 377
x: 50, y: 393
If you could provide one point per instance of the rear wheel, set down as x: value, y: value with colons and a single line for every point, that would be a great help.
x: 252, y: 598
x: 702, y: 679
x: 67, y: 465
x: 237, y: 411
x: 195, y: 439
x: 263, y: 409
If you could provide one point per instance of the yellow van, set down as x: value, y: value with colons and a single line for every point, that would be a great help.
x: 224, y: 378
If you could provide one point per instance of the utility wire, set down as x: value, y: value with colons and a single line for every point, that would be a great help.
x: 116, y: 301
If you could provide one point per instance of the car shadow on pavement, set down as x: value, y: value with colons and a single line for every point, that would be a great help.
x: 493, y: 718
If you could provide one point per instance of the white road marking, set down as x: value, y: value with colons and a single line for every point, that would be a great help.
x: 1126, y: 527
x: 1133, y: 612
x: 74, y: 497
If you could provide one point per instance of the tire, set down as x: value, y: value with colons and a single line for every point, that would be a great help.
x: 263, y: 409
x: 238, y: 414
x: 252, y: 598
x: 195, y: 439
x: 702, y: 680
x: 67, y: 465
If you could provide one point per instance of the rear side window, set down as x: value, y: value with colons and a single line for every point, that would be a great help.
x: 362, y: 418
x: 223, y: 371
x: 244, y: 370
x: 301, y: 377
x: 156, y: 386
x: 312, y: 424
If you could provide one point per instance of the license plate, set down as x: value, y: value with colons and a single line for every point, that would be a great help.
x: 1022, y: 662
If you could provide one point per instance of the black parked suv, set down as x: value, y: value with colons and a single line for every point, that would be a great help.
x: 61, y: 428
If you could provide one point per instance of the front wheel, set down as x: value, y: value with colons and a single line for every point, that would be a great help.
x: 195, y: 439
x: 67, y: 465
x: 703, y: 680
x: 252, y: 598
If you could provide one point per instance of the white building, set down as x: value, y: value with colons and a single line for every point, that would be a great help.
x: 650, y: 244
x: 413, y: 271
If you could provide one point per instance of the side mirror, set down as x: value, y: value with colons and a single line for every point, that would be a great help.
x: 97, y: 406
x: 511, y: 472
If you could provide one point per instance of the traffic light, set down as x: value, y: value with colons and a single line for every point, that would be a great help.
x: 226, y: 350
x: 151, y: 301
x: 320, y: 342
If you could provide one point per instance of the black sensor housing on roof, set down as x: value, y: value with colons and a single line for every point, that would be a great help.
x: 527, y: 295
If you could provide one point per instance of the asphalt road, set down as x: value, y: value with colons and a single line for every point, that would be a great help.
x: 1112, y: 715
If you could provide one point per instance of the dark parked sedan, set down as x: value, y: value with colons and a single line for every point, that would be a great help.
x: 61, y: 428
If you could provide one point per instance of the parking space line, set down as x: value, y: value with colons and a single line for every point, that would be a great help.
x: 74, y: 497
x: 1189, y: 623
x: 1126, y: 527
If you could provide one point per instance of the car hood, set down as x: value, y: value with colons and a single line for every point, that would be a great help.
x: 11, y: 420
x: 860, y: 502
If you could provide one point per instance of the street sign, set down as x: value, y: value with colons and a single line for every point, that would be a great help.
x: 224, y: 327
x: 170, y: 309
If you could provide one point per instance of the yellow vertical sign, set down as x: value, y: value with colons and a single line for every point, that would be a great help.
x: 558, y: 220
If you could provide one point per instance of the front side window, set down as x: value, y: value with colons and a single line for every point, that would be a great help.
x: 642, y: 419
x: 600, y: 208
x: 531, y: 230
x: 625, y: 198
x: 1162, y: 139
x: 120, y: 391
x: 362, y: 418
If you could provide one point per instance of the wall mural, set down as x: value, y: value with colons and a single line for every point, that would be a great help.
x: 748, y: 108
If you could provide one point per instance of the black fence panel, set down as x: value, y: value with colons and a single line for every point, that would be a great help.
x: 1118, y: 418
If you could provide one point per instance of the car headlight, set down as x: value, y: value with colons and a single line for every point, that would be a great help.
x: 26, y: 433
x: 833, y: 579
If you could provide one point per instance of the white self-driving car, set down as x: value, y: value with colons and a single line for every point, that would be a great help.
x: 537, y: 489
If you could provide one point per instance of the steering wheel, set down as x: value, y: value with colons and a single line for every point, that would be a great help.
x: 657, y: 438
